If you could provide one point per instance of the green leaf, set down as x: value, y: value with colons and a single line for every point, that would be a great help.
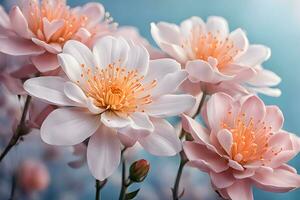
x: 131, y: 195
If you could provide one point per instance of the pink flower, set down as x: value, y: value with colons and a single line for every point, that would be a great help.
x: 40, y: 29
x: 242, y: 145
x: 113, y: 94
x: 33, y: 176
x: 216, y: 58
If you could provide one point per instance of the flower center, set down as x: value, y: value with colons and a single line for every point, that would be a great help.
x: 53, y: 10
x: 250, y: 140
x: 202, y: 45
x: 116, y: 88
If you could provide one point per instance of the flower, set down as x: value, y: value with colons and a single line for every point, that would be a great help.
x: 139, y: 170
x: 242, y: 145
x: 33, y: 176
x: 219, y: 60
x: 39, y: 29
x: 113, y: 94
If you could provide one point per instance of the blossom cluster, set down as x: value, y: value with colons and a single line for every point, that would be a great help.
x: 103, y: 86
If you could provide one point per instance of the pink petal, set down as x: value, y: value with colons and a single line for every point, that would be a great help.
x: 218, y: 107
x: 235, y: 165
x: 17, y: 46
x: 240, y: 190
x: 280, y: 180
x: 163, y: 141
x: 217, y: 24
x: 239, y: 39
x: 225, y: 139
x: 4, y: 19
x: 222, y: 180
x: 253, y: 107
x: 103, y: 153
x: 51, y: 48
x: 126, y: 140
x: 141, y: 121
x: 19, y: 22
x: 45, y: 62
x: 94, y: 11
x: 243, y: 174
x: 264, y: 77
x: 83, y: 35
x: 200, y: 70
x: 68, y: 126
x: 50, y: 28
x: 274, y: 118
x: 198, y: 152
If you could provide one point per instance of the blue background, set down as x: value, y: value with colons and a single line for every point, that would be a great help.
x: 274, y: 23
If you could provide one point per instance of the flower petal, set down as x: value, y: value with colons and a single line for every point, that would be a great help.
x: 253, y: 107
x: 264, y: 77
x: 219, y: 25
x: 170, y: 105
x: 141, y: 121
x: 222, y: 180
x: 198, y: 152
x: 240, y: 190
x: 52, y: 27
x: 169, y: 83
x: 255, y: 55
x: 75, y: 93
x: 80, y: 52
x: 70, y: 66
x: 138, y: 58
x: 113, y: 120
x: 49, y: 89
x: 239, y: 39
x: 54, y: 48
x: 163, y: 141
x: 103, y: 153
x: 218, y: 107
x: 45, y: 62
x: 274, y: 118
x: 68, y: 126
x: 109, y: 50
x: 280, y: 180
x: 225, y: 139
x: 19, y: 22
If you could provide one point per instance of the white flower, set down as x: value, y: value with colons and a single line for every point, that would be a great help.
x: 219, y: 59
x: 114, y: 95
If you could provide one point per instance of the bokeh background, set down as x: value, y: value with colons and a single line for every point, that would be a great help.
x: 275, y: 23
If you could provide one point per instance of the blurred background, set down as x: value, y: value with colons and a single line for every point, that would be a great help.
x: 274, y: 23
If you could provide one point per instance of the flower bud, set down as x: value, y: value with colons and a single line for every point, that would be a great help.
x: 139, y: 170
x: 33, y: 176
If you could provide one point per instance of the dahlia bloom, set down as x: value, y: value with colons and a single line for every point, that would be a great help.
x: 219, y: 59
x: 243, y: 144
x: 39, y: 29
x: 115, y: 95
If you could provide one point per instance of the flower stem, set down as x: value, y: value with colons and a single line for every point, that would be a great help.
x: 183, y: 158
x: 125, y: 182
x: 13, y: 187
x: 99, y: 186
x: 20, y: 130
x: 183, y: 161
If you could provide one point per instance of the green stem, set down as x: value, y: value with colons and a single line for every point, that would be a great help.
x: 20, y: 130
x: 125, y: 182
x: 99, y: 186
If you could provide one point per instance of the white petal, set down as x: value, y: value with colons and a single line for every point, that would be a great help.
x: 103, y: 153
x: 49, y: 89
x: 80, y: 52
x: 163, y: 141
x: 112, y: 120
x: 68, y: 126
x: 70, y: 66
x: 189, y: 24
x: 141, y: 121
x: 109, y: 50
x: 170, y: 105
x: 239, y: 39
x: 166, y: 33
x: 160, y: 68
x: 92, y: 108
x: 169, y: 83
x: 217, y: 24
x: 265, y: 77
x: 138, y: 58
x: 75, y: 93
x: 255, y: 55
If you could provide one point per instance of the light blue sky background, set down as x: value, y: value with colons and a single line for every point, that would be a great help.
x: 275, y: 23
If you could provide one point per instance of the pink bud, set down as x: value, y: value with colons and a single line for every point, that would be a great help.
x: 139, y: 170
x: 33, y: 176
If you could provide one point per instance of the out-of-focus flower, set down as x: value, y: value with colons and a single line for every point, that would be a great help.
x: 39, y: 29
x: 132, y: 33
x: 114, y: 94
x: 243, y: 144
x: 219, y: 60
x: 33, y: 176
x: 139, y: 170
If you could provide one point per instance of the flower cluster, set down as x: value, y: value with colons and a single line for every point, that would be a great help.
x: 105, y: 89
